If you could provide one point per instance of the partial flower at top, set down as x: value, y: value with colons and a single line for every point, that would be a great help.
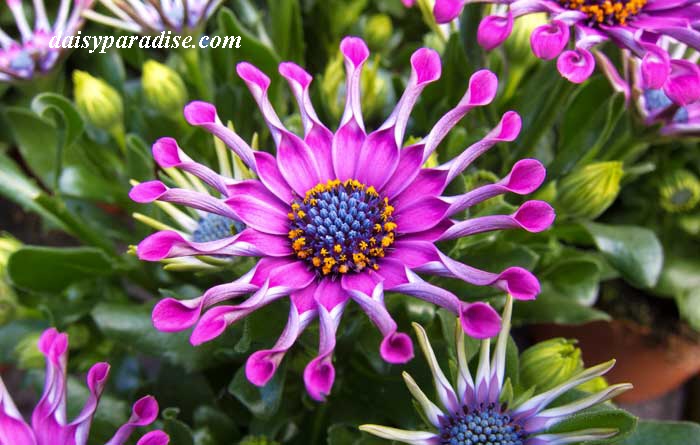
x: 342, y: 216
x: 153, y: 17
x: 49, y: 425
x: 29, y: 55
x: 636, y: 25
x: 480, y: 409
x: 674, y: 105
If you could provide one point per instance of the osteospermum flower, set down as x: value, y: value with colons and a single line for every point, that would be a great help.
x: 342, y: 216
x: 673, y: 105
x: 49, y: 425
x: 30, y: 54
x: 477, y: 411
x: 636, y: 25
x: 153, y: 17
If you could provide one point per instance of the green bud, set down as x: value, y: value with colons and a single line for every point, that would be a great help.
x: 257, y: 440
x: 588, y: 192
x: 679, y: 191
x: 99, y: 103
x: 593, y: 386
x: 378, y: 31
x: 27, y: 352
x: 163, y: 88
x: 549, y: 363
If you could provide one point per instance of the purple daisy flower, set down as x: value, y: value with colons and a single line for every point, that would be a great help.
x: 476, y: 412
x: 635, y: 25
x: 49, y: 425
x: 342, y: 216
x: 671, y: 108
x: 32, y: 55
x: 153, y: 17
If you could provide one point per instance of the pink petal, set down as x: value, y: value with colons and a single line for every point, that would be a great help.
x: 447, y: 10
x: 410, y: 161
x: 548, y: 41
x: 655, y: 67
x: 319, y: 376
x: 258, y: 208
x: 271, y: 176
x: 420, y: 215
x: 397, y: 348
x: 577, y: 65
x: 683, y: 84
x: 154, y: 438
x: 535, y: 216
x: 494, y: 30
x: 479, y: 320
x: 146, y: 192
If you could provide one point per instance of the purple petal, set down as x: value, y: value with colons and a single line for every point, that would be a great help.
x: 655, y: 67
x: 79, y: 428
x: 483, y: 86
x: 258, y: 84
x: 154, y: 438
x: 683, y: 84
x: 297, y: 163
x: 171, y: 315
x: 420, y: 215
x: 414, y: 253
x: 410, y: 161
x: 258, y: 208
x: 494, y: 30
x: 378, y: 158
x: 261, y: 365
x: 13, y: 429
x: 347, y: 142
x: 144, y: 412
x: 429, y: 182
x: 447, y: 10
x: 270, y: 175
x: 548, y: 41
x: 363, y: 282
x: 396, y: 347
x: 168, y: 154
x: 479, y: 320
x: 316, y: 135
x: 203, y: 114
x: 506, y: 131
x: 150, y: 191
x: 48, y: 417
x: 525, y: 177
x: 250, y: 242
x: 576, y: 65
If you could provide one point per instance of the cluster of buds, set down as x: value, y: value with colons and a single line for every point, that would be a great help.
x: 31, y: 54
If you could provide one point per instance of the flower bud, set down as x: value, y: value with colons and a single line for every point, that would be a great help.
x: 163, y: 88
x: 588, y: 192
x: 378, y: 31
x: 257, y: 440
x: 679, y: 191
x: 549, y: 363
x: 594, y: 385
x: 99, y: 103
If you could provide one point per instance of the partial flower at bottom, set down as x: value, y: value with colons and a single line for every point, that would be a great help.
x: 478, y: 411
x: 49, y: 425
x: 340, y: 216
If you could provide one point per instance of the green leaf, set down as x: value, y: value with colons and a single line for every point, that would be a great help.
x: 253, y: 49
x: 52, y: 269
x: 653, y: 432
x: 680, y: 274
x: 46, y: 104
x: 178, y: 431
x: 576, y: 278
x: 634, y: 251
x: 262, y: 402
x: 551, y: 307
x: 286, y: 29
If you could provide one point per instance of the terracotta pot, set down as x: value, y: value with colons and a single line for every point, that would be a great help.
x: 654, y: 366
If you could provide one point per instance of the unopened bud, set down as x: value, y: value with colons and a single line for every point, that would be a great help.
x: 589, y: 191
x: 163, y: 88
x: 550, y: 363
x: 378, y: 31
x: 679, y: 191
x: 99, y: 103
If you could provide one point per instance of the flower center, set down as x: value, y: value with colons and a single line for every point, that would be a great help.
x: 213, y: 227
x: 606, y: 12
x: 341, y: 227
x: 481, y: 426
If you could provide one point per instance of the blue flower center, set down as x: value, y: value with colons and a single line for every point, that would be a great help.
x: 22, y: 61
x: 482, y: 426
x: 212, y: 227
x: 341, y: 227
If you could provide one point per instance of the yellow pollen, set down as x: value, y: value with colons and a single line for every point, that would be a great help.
x: 343, y: 269
x: 337, y: 248
x: 316, y: 261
